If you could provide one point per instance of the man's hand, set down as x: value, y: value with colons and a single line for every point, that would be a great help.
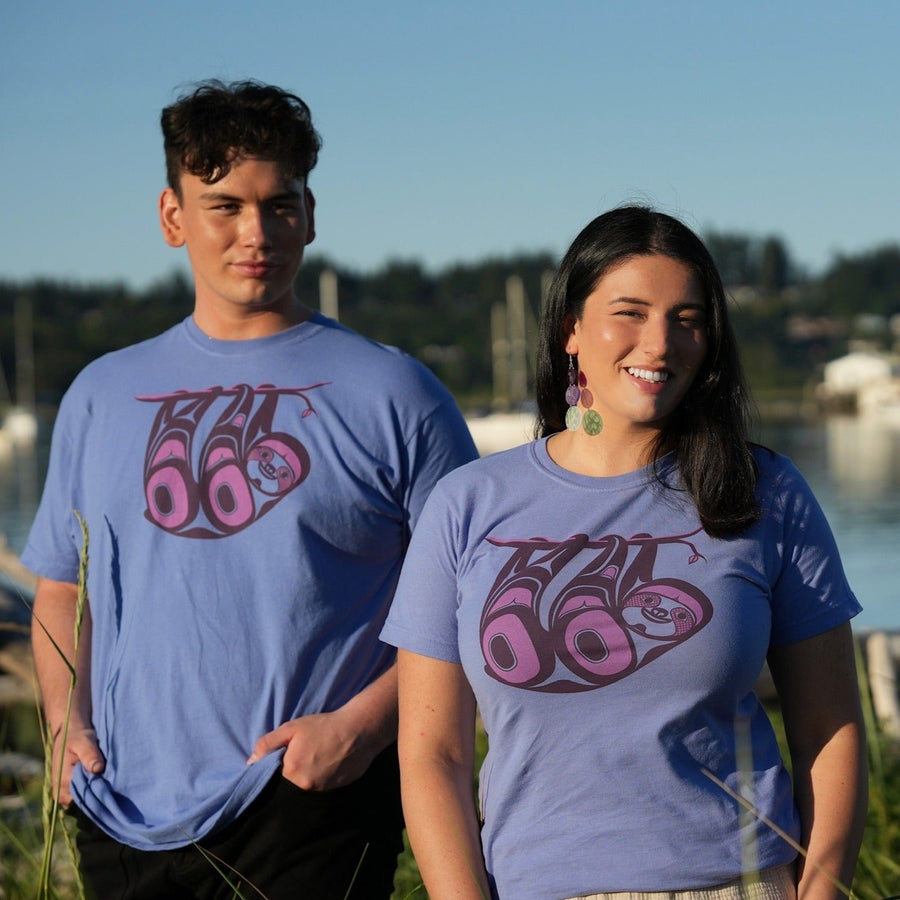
x: 81, y: 747
x: 322, y: 752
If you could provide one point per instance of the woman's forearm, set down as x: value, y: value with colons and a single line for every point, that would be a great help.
x: 437, y: 756
x: 816, y: 681
x: 831, y: 795
x: 443, y: 828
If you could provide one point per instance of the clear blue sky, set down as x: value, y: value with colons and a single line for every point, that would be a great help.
x: 457, y: 130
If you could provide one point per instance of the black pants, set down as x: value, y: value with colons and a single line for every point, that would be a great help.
x: 289, y: 844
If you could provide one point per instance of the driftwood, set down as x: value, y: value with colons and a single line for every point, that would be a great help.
x: 20, y: 766
x: 17, y: 680
x: 13, y: 569
x: 881, y: 666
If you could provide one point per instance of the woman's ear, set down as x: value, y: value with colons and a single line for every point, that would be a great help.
x: 569, y: 329
x: 170, y: 218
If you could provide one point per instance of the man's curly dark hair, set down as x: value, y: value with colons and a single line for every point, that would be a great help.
x: 206, y: 130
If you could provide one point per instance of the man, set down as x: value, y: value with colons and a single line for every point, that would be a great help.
x: 249, y: 480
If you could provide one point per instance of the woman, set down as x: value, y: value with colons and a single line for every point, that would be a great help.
x: 608, y: 595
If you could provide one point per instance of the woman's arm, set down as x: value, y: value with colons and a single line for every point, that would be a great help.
x: 817, y: 686
x: 437, y: 758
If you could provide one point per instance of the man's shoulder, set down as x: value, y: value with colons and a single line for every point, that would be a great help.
x: 133, y: 353
x: 344, y: 337
x: 118, y: 366
x: 377, y: 364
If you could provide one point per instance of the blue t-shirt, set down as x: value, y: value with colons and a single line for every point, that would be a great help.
x: 613, y: 648
x: 249, y: 504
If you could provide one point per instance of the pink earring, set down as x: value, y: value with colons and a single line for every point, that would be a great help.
x: 573, y: 413
x: 577, y: 390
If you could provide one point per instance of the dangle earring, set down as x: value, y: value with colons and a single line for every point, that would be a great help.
x: 573, y: 413
x: 577, y: 390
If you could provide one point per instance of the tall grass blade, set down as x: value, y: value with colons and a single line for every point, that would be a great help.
x: 779, y: 831
x: 356, y: 871
x: 51, y: 811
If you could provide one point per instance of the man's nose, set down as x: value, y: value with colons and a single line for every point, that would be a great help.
x: 255, y: 227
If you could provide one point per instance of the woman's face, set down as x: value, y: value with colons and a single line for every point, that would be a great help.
x: 640, y: 341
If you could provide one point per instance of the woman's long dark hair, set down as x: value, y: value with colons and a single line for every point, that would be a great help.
x: 708, y: 433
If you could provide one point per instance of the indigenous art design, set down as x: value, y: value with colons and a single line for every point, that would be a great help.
x: 214, y: 464
x: 582, y: 613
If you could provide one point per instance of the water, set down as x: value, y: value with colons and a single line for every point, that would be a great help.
x: 853, y: 466
x: 22, y: 473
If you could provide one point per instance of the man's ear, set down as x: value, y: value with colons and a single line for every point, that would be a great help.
x: 170, y: 218
x: 310, y: 216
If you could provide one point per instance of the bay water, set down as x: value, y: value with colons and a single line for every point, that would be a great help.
x: 852, y: 465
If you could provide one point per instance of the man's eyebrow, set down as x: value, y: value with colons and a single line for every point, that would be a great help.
x: 220, y: 196
x: 217, y: 195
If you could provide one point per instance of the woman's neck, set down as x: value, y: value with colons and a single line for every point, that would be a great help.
x: 604, y: 454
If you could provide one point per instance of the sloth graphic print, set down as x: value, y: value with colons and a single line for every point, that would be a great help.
x: 593, y: 606
x: 242, y: 467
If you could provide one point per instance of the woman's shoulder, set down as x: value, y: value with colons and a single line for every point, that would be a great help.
x: 782, y: 489
x: 480, y: 478
x: 774, y: 468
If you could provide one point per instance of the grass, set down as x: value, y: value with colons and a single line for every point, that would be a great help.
x: 22, y: 843
x: 37, y: 856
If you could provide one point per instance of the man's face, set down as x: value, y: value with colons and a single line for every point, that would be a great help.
x: 245, y: 235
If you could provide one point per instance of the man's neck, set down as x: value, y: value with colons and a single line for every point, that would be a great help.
x: 248, y: 326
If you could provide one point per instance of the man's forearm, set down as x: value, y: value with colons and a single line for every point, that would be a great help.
x: 373, y: 711
x: 53, y: 642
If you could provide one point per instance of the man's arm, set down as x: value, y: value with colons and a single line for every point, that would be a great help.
x: 328, y: 750
x: 53, y: 621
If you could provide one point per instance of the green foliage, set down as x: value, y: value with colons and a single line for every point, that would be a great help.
x: 878, y: 873
x: 869, y: 282
x: 73, y: 324
x: 764, y: 263
x: 444, y: 318
x: 878, y: 870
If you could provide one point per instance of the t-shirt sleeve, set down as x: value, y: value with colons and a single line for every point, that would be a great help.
x: 441, y: 443
x: 422, y: 617
x: 810, y: 594
x: 54, y: 543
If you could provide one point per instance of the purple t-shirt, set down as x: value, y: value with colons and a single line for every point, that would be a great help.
x: 613, y: 648
x: 249, y: 504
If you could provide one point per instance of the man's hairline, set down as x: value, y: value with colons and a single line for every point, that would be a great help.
x: 232, y: 159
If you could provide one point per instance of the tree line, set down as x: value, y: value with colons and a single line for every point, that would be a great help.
x: 787, y: 323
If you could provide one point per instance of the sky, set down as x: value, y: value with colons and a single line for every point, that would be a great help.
x: 457, y: 131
